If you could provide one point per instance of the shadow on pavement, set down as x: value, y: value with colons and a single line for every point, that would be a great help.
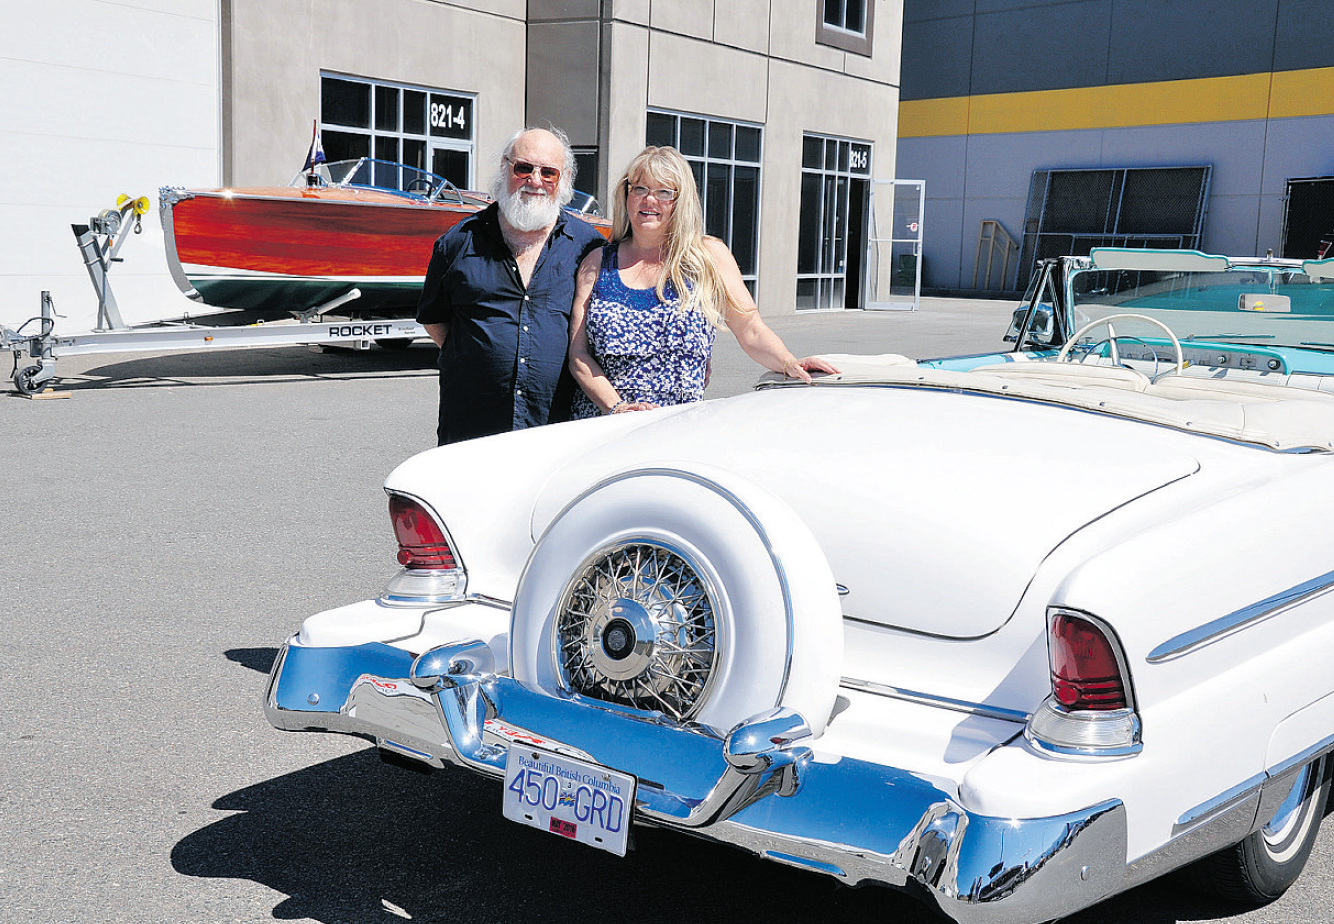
x: 354, y: 840
x: 243, y: 366
x: 257, y: 659
x: 351, y: 840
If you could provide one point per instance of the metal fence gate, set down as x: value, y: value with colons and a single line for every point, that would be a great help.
x: 1072, y: 211
x: 1308, y: 216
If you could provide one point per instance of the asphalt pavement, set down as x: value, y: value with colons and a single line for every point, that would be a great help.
x: 166, y: 527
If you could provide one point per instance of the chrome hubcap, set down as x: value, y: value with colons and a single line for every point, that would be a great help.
x: 1280, y: 826
x: 636, y: 626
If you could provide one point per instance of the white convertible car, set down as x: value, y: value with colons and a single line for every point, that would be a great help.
x: 1013, y: 633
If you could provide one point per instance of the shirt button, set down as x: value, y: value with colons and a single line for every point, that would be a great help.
x: 518, y: 391
x: 526, y: 298
x: 525, y: 327
x: 522, y: 359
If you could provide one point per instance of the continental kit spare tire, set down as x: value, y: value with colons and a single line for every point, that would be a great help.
x: 691, y: 592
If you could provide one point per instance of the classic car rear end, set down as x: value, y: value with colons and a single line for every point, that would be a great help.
x: 1013, y: 638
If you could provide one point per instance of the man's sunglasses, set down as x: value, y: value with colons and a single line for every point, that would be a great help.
x: 523, y: 169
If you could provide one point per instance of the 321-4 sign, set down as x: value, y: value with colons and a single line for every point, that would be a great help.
x: 451, y: 116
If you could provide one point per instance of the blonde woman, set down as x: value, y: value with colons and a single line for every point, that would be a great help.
x: 647, y: 304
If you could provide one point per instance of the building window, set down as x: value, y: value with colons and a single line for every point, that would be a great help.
x: 586, y: 170
x: 725, y: 158
x: 428, y: 129
x: 846, y: 24
x: 835, y: 200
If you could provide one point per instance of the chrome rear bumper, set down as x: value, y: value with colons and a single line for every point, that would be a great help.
x: 760, y: 786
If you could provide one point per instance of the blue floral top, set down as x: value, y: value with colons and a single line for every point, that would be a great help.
x: 650, y: 350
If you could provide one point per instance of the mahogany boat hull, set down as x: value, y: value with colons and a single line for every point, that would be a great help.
x: 288, y: 249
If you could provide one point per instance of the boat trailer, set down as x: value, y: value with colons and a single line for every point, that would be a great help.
x: 100, y: 241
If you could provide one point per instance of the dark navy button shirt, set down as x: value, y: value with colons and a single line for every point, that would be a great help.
x: 503, y: 363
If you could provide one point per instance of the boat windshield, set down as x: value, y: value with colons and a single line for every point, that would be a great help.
x: 583, y: 204
x: 390, y: 177
x: 1280, y: 303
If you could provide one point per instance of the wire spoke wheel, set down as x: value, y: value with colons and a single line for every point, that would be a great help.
x: 636, y: 626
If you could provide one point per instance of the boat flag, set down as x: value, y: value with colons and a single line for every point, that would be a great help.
x: 316, y: 155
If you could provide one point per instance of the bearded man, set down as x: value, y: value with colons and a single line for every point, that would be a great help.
x: 498, y: 293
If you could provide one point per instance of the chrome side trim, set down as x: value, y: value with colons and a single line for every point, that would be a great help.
x: 941, y: 702
x: 1247, y: 791
x: 1244, y: 618
x: 741, y: 508
x: 1303, y: 757
x: 1226, y: 819
x: 1252, y: 790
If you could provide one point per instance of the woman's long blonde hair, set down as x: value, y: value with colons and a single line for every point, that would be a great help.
x: 687, y: 264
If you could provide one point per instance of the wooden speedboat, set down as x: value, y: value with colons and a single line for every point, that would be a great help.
x: 362, y: 225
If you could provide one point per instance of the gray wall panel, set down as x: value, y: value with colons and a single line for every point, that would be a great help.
x: 1018, y: 45
x: 922, y: 10
x: 1305, y: 35
x: 1233, y: 227
x: 942, y: 162
x: 1297, y: 148
x: 942, y: 224
x: 1177, y: 40
x: 1010, y: 6
x: 1000, y: 166
x: 1049, y: 47
x: 562, y: 85
x: 1233, y: 149
x: 937, y: 58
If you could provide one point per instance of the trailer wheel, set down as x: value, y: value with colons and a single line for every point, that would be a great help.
x: 25, y: 379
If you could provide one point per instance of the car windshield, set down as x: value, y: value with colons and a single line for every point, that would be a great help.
x: 1263, y: 303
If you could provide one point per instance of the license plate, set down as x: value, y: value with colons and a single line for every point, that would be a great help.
x: 569, y: 797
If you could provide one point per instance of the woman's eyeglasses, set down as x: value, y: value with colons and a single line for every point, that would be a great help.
x: 523, y: 169
x: 662, y: 195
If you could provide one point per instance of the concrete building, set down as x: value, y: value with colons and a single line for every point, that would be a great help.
x: 1072, y: 123
x: 788, y: 110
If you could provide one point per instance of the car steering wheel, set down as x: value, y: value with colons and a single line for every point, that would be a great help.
x: 1064, y: 355
x: 419, y: 185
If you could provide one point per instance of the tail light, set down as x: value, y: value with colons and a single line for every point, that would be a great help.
x: 1090, y: 710
x: 421, y: 541
x: 1084, y: 670
x: 431, y: 573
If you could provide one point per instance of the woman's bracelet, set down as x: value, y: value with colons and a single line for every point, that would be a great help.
x: 617, y: 406
x: 789, y: 364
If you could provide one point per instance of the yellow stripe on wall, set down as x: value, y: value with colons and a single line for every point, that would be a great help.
x: 1285, y: 94
x: 1303, y: 93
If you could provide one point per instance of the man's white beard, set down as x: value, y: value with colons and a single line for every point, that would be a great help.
x: 529, y: 212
